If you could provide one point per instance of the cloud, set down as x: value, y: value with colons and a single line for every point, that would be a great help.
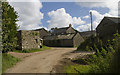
x: 98, y: 17
x: 77, y: 21
x: 112, y: 5
x: 29, y: 14
x: 60, y: 18
x: 119, y: 8
x: 85, y: 27
x: 86, y: 17
x: 91, y: 4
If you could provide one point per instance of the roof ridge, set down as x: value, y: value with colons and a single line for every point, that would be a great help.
x: 63, y: 27
x: 111, y: 17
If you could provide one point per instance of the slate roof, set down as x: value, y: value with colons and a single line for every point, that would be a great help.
x: 111, y: 19
x: 87, y: 33
x: 60, y: 30
x: 114, y: 19
x: 41, y: 29
x: 56, y: 37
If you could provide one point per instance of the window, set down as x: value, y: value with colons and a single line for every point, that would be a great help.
x: 36, y: 40
x: 41, y: 40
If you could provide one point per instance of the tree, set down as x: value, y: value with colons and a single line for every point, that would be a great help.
x: 9, y: 27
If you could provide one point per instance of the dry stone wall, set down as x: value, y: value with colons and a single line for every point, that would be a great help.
x: 29, y: 39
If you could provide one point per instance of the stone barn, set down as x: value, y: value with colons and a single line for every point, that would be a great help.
x: 43, y: 32
x: 28, y: 39
x: 68, y: 40
x: 63, y: 37
x: 107, y: 27
x: 87, y: 34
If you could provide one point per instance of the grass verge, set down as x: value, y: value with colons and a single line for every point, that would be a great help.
x: 8, y: 61
x: 33, y: 50
x: 77, y: 69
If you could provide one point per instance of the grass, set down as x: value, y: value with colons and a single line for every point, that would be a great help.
x: 75, y: 69
x: 8, y: 61
x: 75, y: 46
x: 33, y: 50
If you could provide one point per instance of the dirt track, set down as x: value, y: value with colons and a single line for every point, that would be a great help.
x: 41, y: 62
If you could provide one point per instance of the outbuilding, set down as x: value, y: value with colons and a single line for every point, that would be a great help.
x: 63, y: 37
x: 28, y: 39
x: 107, y: 27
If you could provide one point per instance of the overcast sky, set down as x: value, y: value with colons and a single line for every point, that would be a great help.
x: 36, y: 14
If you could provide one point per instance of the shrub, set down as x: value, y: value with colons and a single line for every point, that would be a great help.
x: 115, y: 65
x: 9, y: 27
x: 81, y: 61
x: 103, y: 52
x: 107, y: 57
x: 86, y: 44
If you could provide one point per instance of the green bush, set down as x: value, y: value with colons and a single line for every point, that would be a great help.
x: 81, y: 61
x: 106, y: 58
x: 88, y: 44
x: 115, y: 65
x: 9, y: 27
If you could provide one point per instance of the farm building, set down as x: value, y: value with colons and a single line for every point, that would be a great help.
x: 43, y: 32
x: 87, y: 34
x: 63, y: 37
x: 107, y: 27
x: 65, y: 30
x: 28, y: 39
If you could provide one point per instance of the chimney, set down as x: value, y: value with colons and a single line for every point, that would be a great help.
x: 70, y: 25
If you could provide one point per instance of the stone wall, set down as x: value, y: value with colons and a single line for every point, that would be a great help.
x: 77, y: 40
x: 43, y: 32
x: 70, y: 30
x: 59, y: 43
x: 28, y: 39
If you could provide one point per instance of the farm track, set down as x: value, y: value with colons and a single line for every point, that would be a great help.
x: 43, y: 61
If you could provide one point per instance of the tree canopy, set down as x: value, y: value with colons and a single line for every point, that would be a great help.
x: 9, y: 27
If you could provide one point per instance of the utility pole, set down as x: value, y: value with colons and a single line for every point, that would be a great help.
x: 91, y: 21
